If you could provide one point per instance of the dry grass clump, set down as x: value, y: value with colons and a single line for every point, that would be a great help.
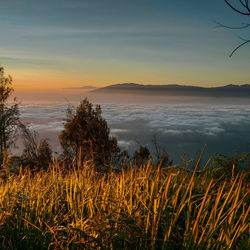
x: 142, y: 207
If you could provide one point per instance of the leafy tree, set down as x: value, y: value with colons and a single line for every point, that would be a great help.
x: 142, y: 155
x: 86, y: 136
x: 9, y: 114
x: 6, y: 167
x: 36, y: 154
x: 44, y: 153
x: 161, y: 155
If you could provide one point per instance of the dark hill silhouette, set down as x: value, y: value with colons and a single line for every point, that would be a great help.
x: 176, y: 90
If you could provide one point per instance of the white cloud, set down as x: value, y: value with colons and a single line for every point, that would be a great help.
x: 170, y: 119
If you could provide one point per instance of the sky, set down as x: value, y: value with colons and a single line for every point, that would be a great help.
x: 72, y: 43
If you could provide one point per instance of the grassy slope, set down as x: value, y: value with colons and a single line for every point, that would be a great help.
x: 141, y: 207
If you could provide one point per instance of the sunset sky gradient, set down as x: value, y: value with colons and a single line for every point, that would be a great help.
x: 62, y: 43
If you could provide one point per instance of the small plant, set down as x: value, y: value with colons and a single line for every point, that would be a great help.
x: 228, y: 167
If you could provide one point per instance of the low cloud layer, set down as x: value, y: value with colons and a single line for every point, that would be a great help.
x: 178, y: 128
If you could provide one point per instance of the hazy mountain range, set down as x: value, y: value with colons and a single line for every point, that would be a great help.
x: 88, y: 87
x: 175, y: 90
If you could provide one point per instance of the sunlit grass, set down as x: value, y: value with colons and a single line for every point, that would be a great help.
x: 141, y: 207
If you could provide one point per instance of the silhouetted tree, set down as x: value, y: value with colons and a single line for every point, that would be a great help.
x: 86, y: 136
x: 160, y: 154
x: 44, y: 153
x: 142, y: 155
x: 242, y: 8
x: 9, y: 114
x: 36, y: 154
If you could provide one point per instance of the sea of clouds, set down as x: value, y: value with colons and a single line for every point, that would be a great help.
x: 178, y: 128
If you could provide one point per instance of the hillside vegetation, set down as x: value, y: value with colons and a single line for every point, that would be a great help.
x: 141, y: 207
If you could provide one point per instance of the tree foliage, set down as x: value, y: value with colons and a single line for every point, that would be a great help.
x: 142, y: 155
x: 9, y: 114
x: 37, y: 154
x: 86, y: 136
x: 161, y: 155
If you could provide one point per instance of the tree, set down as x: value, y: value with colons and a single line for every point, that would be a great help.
x: 161, y: 155
x: 86, y: 136
x: 9, y: 114
x: 44, y: 154
x: 241, y: 7
x: 142, y: 155
x: 36, y: 154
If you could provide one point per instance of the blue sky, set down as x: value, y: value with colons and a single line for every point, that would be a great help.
x: 59, y: 43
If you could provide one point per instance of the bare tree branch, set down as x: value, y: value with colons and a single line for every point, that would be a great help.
x: 246, y: 6
x: 242, y: 44
x: 244, y: 26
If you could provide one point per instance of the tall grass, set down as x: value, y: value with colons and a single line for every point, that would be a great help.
x: 141, y: 207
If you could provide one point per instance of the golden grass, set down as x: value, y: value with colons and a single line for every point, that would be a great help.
x: 142, y: 207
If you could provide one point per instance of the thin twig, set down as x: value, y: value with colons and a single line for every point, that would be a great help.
x: 242, y: 44
x: 244, y: 26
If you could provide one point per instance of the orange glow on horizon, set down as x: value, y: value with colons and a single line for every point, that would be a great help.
x: 50, y: 79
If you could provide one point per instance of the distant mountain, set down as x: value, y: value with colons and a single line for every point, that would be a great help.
x: 88, y: 87
x: 176, y: 90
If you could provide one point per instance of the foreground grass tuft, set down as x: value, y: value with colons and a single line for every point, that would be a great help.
x: 142, y: 207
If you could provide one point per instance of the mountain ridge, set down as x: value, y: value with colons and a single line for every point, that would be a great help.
x: 230, y: 90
